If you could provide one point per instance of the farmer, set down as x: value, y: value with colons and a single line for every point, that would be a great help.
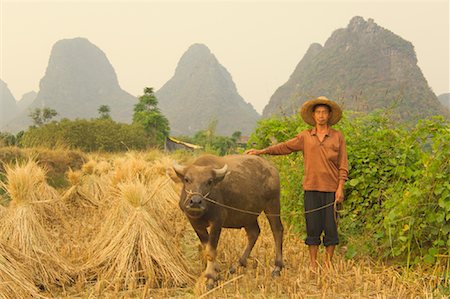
x: 326, y: 169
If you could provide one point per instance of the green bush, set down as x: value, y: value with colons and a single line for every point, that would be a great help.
x: 398, y: 194
x: 87, y: 135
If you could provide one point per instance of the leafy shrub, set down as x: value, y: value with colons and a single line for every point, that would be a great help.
x: 87, y: 135
x: 398, y: 193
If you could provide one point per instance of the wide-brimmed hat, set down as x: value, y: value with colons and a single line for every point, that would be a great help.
x: 307, y: 111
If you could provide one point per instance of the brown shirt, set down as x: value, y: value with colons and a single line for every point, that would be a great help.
x: 325, y: 162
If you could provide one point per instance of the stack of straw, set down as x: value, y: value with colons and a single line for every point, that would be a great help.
x: 136, y: 245
x: 89, y: 186
x: 15, y: 278
x: 23, y: 226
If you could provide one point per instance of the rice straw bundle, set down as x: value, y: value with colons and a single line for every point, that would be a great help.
x: 132, y: 167
x: 15, y: 278
x: 103, y: 168
x: 26, y: 184
x: 88, y: 187
x: 133, y: 248
x: 163, y: 167
x: 22, y: 225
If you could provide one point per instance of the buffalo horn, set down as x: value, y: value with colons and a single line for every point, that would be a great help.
x: 221, y: 172
x: 178, y: 168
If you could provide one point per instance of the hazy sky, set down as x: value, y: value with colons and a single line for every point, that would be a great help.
x: 258, y: 42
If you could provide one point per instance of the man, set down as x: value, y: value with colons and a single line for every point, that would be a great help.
x: 326, y: 170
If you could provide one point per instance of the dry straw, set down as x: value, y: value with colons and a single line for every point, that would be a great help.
x: 2, y: 210
x: 26, y: 224
x: 131, y: 167
x: 135, y: 246
x: 15, y: 278
x: 88, y: 189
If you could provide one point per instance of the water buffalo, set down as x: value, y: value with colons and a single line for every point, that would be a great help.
x: 243, y: 186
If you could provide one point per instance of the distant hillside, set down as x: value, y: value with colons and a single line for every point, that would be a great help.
x: 26, y: 100
x: 79, y: 78
x: 200, y: 91
x: 363, y: 67
x: 444, y: 99
x: 8, y: 105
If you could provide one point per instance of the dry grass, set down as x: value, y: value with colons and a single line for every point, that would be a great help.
x: 86, y: 188
x: 347, y: 278
x: 34, y: 208
x: 57, y: 161
x: 15, y: 278
x: 134, y: 247
x: 127, y: 238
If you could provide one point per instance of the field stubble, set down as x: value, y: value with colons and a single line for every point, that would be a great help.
x: 159, y: 255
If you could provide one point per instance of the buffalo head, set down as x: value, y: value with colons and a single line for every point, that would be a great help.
x: 198, y: 181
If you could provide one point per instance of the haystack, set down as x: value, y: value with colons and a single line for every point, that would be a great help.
x: 86, y: 201
x: 87, y: 189
x: 15, y: 279
x: 25, y: 224
x: 132, y: 167
x: 136, y: 245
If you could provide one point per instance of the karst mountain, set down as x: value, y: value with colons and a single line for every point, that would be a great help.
x: 202, y: 92
x: 363, y: 67
x: 8, y: 104
x: 78, y: 80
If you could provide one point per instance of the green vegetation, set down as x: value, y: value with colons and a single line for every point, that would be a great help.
x: 149, y: 117
x: 149, y: 129
x: 103, y: 112
x: 397, y: 203
x: 87, y: 135
x: 216, y: 144
x: 42, y: 116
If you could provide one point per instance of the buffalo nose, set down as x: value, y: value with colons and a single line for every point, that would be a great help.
x: 195, y: 201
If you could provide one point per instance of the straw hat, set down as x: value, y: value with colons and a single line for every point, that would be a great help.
x: 307, y: 110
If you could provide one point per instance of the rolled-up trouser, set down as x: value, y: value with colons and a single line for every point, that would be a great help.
x: 322, y: 220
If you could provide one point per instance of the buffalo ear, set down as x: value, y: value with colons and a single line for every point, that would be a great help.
x: 179, y: 169
x: 221, y: 173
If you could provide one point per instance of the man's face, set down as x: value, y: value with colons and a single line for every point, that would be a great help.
x: 321, y: 115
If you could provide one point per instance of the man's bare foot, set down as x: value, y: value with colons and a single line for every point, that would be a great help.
x: 313, y: 273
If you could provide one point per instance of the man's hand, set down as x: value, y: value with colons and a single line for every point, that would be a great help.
x: 339, y: 195
x: 253, y: 152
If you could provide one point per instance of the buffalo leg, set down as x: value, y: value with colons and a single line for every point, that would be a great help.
x: 211, y: 254
x: 272, y: 213
x: 252, y: 231
x: 202, y: 233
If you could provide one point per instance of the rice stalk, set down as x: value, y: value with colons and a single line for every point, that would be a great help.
x: 2, y: 210
x: 30, y: 220
x: 133, y: 248
x: 88, y: 189
x: 132, y: 167
x: 15, y: 278
x: 22, y: 229
x: 26, y: 184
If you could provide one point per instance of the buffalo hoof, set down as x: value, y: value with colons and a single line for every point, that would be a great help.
x: 232, y: 270
x: 276, y: 272
x: 211, y: 284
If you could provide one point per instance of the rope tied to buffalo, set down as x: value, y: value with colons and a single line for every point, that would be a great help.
x: 205, y: 196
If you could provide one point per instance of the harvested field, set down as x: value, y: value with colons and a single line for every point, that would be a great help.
x: 116, y: 232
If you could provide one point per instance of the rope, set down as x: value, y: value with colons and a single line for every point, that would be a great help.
x: 190, y: 194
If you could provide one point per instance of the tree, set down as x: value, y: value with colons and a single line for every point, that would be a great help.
x: 42, y: 116
x: 236, y: 136
x: 7, y: 139
x: 148, y: 115
x: 211, y: 130
x: 104, y: 111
